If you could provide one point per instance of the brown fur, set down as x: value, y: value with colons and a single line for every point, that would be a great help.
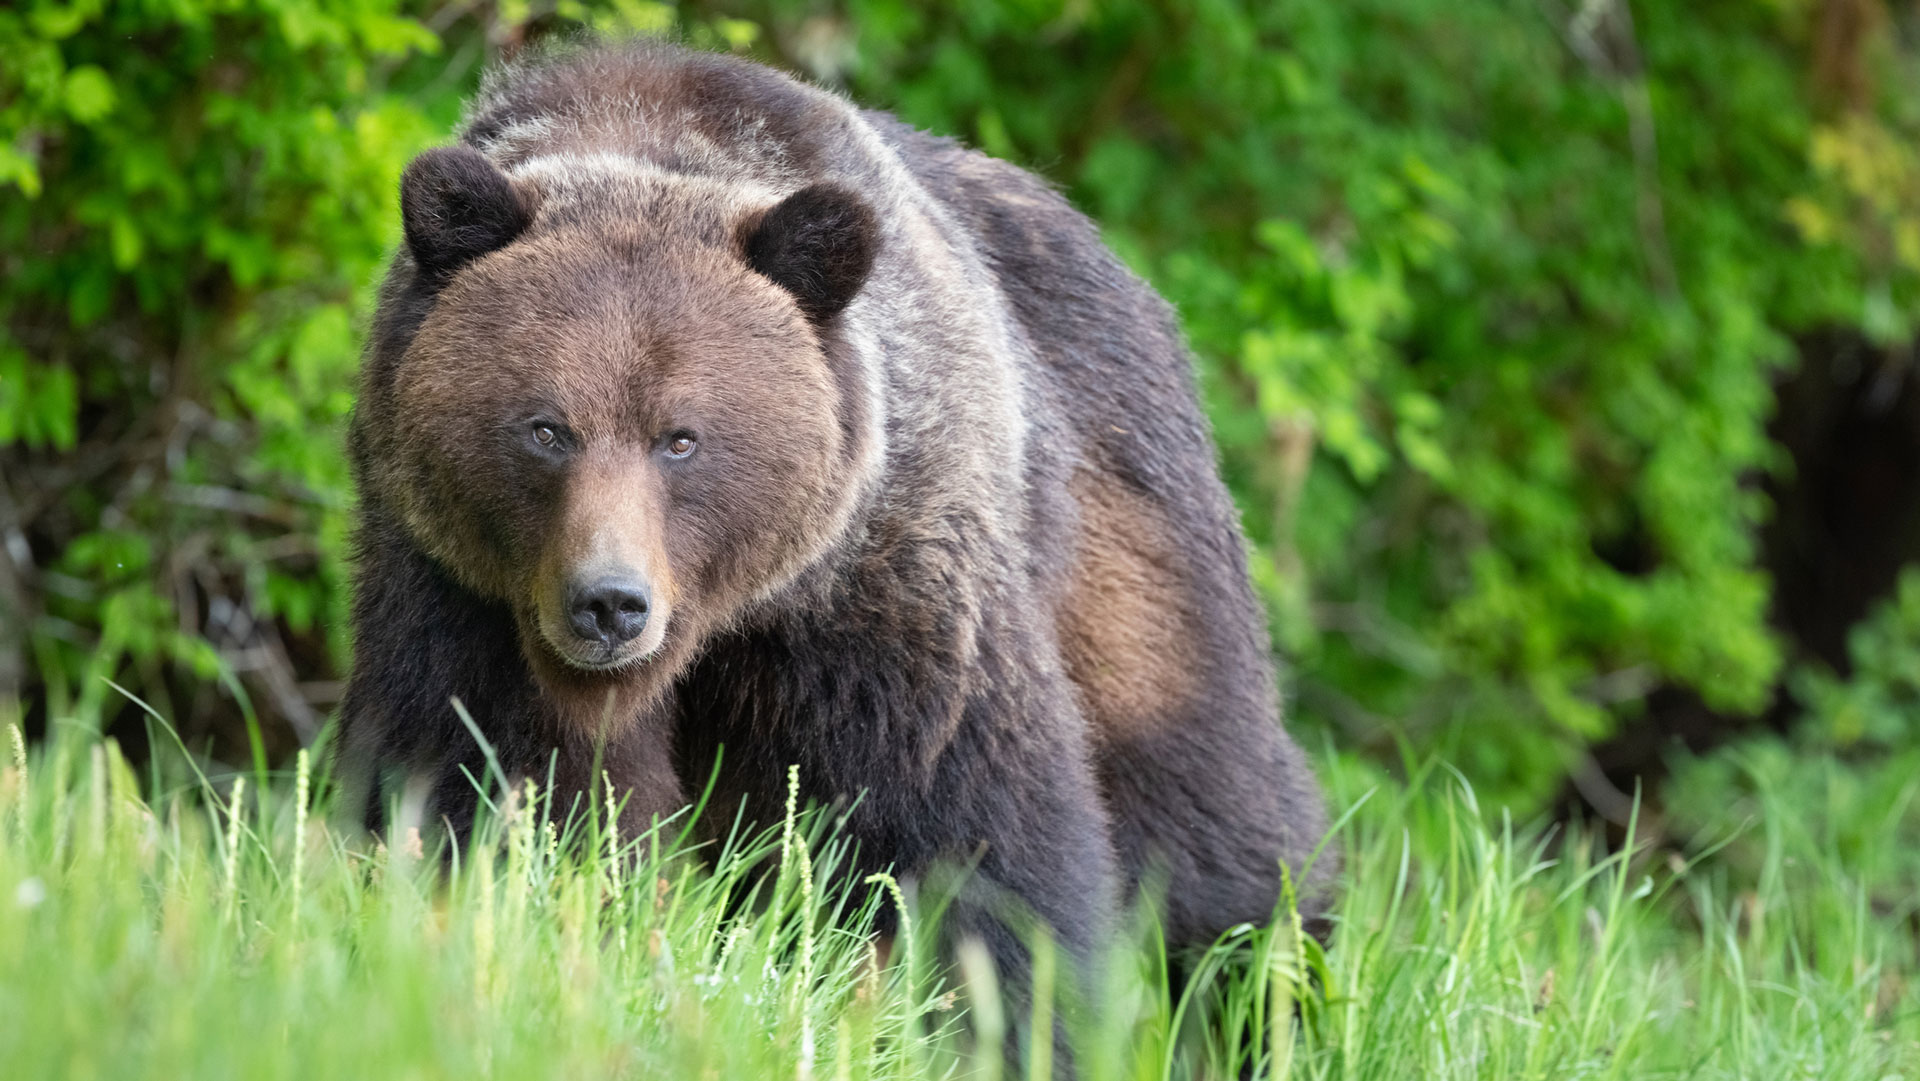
x: 953, y: 542
x: 626, y: 362
x: 1128, y: 627
x: 613, y: 516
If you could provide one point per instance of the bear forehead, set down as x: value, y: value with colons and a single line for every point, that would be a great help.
x: 613, y: 331
x: 614, y: 287
x: 632, y: 258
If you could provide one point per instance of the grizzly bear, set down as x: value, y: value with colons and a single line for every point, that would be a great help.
x: 704, y: 410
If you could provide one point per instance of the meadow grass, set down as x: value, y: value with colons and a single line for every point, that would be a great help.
x: 224, y: 926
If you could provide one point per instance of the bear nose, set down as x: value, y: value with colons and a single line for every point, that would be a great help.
x: 611, y: 611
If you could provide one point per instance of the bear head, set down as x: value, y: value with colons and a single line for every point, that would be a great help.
x: 627, y: 410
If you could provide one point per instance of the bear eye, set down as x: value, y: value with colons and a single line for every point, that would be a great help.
x: 680, y: 444
x: 544, y: 435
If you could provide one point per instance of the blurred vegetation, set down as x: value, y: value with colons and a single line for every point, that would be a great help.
x: 1502, y: 309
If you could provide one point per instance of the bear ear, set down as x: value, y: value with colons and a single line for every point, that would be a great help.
x: 817, y: 244
x: 457, y: 206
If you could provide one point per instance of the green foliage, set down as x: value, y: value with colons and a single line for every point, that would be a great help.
x: 199, y: 191
x: 1489, y: 298
x: 1878, y: 705
x: 222, y: 930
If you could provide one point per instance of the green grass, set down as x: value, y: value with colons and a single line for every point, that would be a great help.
x: 200, y: 930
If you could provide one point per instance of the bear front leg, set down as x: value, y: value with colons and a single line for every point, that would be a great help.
x: 1026, y: 814
x: 1014, y: 795
x: 421, y: 640
x: 992, y: 782
x: 946, y: 759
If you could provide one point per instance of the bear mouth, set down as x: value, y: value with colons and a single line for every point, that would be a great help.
x: 601, y: 659
x: 613, y: 662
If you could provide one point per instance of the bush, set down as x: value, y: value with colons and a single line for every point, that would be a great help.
x: 202, y: 188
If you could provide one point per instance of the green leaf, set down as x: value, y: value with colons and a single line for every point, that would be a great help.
x: 89, y: 94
